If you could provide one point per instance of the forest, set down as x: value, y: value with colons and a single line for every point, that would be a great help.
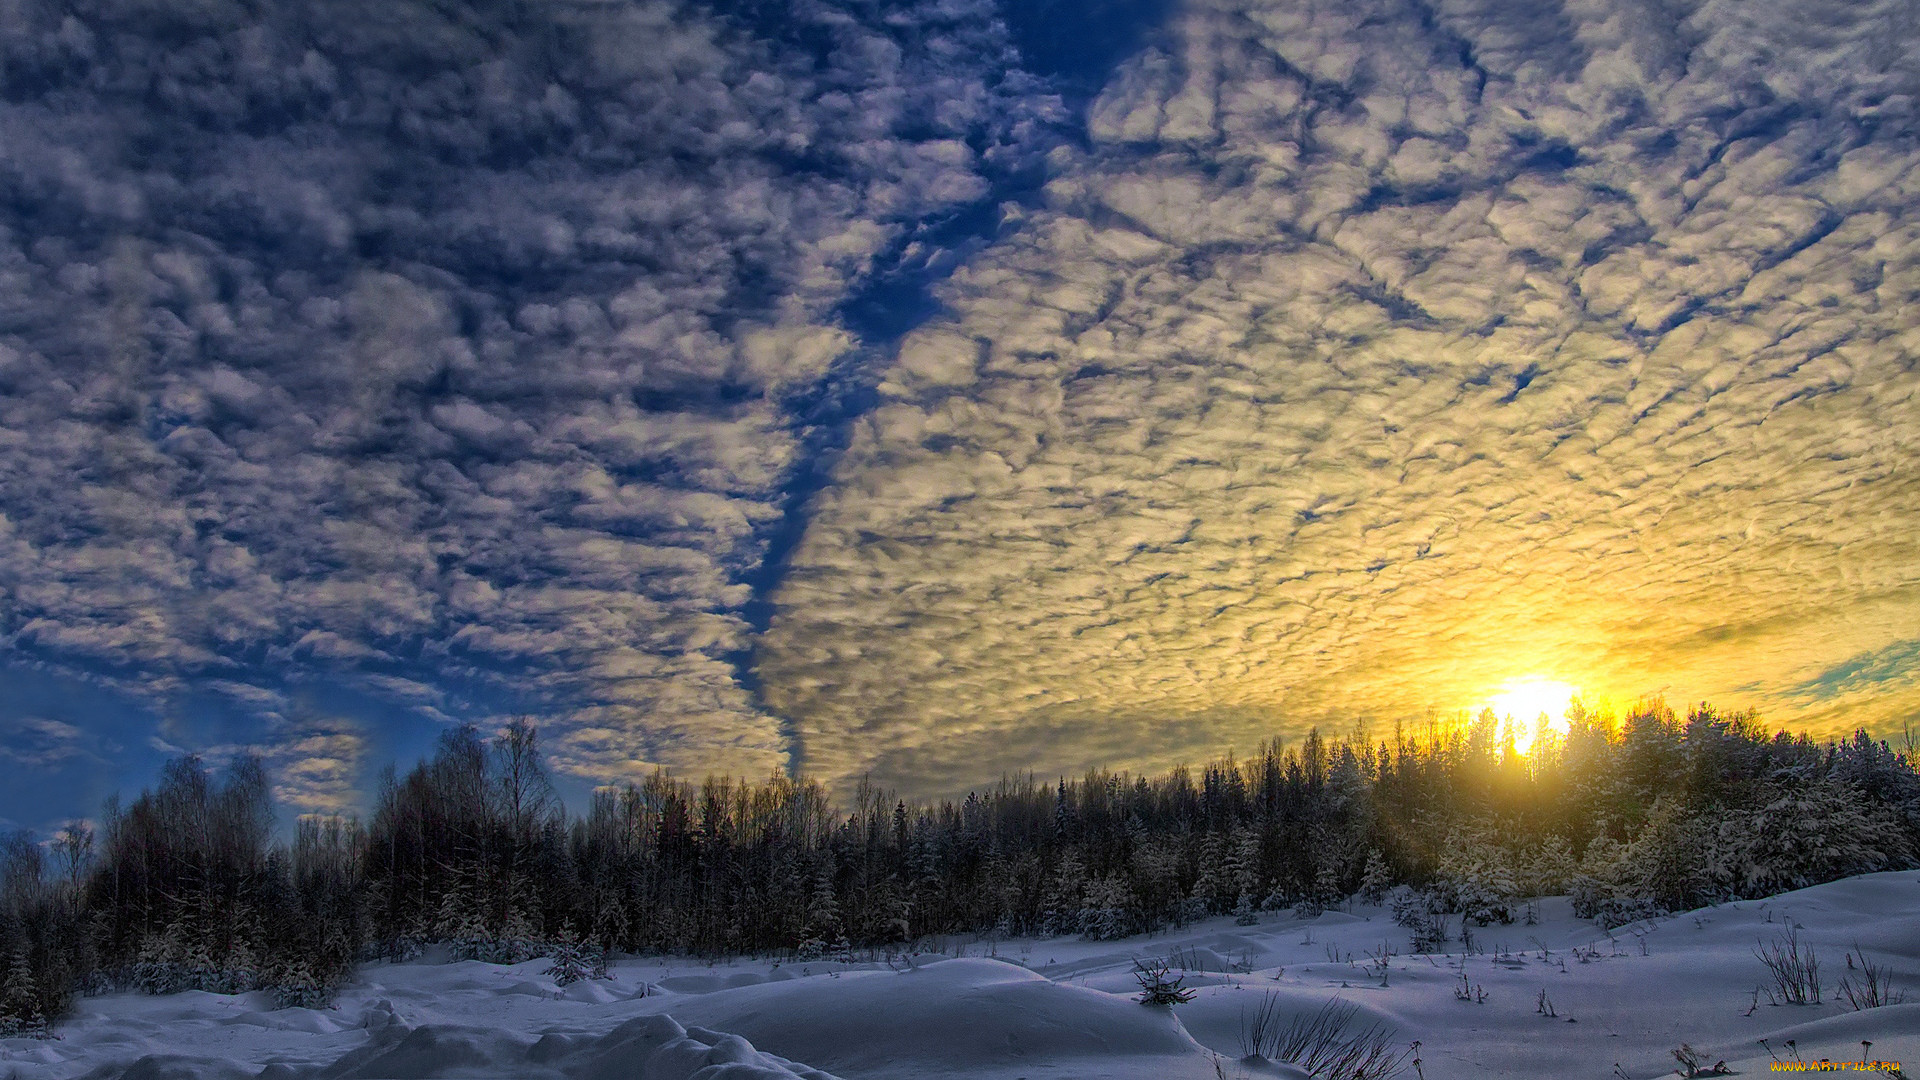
x: 189, y: 886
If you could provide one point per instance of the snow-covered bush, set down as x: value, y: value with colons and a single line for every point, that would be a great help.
x: 1420, y: 913
x: 1158, y: 986
x: 296, y: 985
x: 1547, y: 867
x: 1598, y: 900
x: 571, y: 963
x: 1192, y: 910
x: 819, y: 948
x: 1476, y: 880
x: 395, y: 950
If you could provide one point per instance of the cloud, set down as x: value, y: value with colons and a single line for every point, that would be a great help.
x: 1367, y: 358
x: 409, y: 346
x: 35, y: 742
x: 1334, y: 362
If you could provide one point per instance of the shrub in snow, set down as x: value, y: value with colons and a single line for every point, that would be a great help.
x: 460, y: 926
x: 1595, y: 899
x: 1692, y: 1064
x: 1421, y: 914
x: 818, y: 948
x: 397, y: 949
x: 1156, y: 987
x: 295, y: 985
x: 1548, y: 867
x: 1319, y: 1043
x: 570, y: 964
x: 574, y: 959
x: 1103, y: 923
x: 1795, y: 971
x: 1868, y: 985
x: 157, y: 967
x: 1476, y: 879
x: 1191, y: 910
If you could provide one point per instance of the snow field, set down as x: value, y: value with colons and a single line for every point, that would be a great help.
x: 1064, y: 1008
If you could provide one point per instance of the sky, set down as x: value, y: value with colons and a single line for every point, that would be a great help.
x: 932, y: 390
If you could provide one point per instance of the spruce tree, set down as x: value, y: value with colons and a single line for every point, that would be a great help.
x: 1244, y: 913
x: 20, y: 1009
x: 1376, y: 879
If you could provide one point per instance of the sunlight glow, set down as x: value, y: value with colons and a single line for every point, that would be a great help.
x: 1522, y: 703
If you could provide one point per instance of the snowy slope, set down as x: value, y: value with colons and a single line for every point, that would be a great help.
x: 1062, y: 1008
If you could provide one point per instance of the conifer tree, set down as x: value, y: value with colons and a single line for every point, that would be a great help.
x: 1376, y: 879
x: 1244, y: 913
x: 20, y: 1010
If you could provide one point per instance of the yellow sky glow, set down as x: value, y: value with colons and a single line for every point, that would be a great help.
x: 1522, y: 702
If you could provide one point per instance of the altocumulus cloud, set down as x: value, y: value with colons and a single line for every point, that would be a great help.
x: 458, y: 353
x: 1369, y: 354
x: 1353, y: 359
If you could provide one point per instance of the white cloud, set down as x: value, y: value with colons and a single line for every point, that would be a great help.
x: 380, y: 347
x: 1363, y: 364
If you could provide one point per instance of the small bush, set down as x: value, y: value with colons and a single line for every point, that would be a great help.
x: 1692, y: 1064
x: 296, y: 986
x: 1868, y: 985
x: 1595, y: 899
x: 1156, y: 988
x: 1420, y: 913
x: 1796, y: 972
x: 1319, y: 1042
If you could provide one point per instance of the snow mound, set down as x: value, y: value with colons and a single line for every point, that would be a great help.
x: 707, y: 984
x: 962, y: 1017
x: 595, y: 991
x: 658, y: 1048
x: 645, y: 1048
x: 307, y: 1020
x: 529, y: 988
x: 1336, y: 918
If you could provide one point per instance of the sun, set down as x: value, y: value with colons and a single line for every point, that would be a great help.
x: 1522, y: 702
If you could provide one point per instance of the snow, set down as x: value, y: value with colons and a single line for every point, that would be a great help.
x: 1059, y: 1008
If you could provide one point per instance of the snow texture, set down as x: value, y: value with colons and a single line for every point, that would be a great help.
x: 1023, y: 1008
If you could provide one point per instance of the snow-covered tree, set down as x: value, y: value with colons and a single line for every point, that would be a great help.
x: 1104, y: 912
x: 1808, y: 832
x: 1216, y: 884
x: 1244, y: 912
x: 20, y: 1010
x: 1376, y: 879
x: 1065, y: 896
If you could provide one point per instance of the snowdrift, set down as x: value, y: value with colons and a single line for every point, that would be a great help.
x: 644, y: 1048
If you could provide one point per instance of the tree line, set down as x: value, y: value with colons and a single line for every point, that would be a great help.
x: 186, y: 888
